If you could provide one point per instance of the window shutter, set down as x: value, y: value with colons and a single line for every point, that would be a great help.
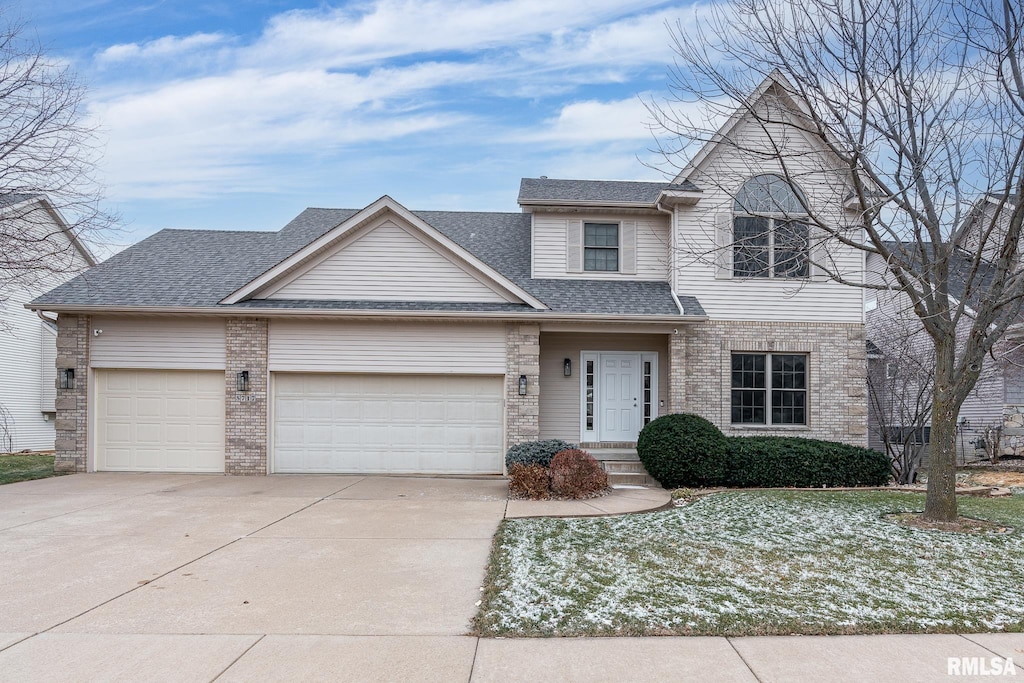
x: 627, y: 248
x: 574, y: 246
x: 723, y: 245
x: 818, y: 253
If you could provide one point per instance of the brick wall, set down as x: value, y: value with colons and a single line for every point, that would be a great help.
x: 245, y: 439
x: 677, y: 372
x: 72, y: 422
x: 522, y: 357
x: 837, y: 395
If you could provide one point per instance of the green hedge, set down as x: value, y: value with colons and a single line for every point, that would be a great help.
x: 769, y: 461
x: 686, y: 450
x: 535, y: 452
x: 683, y: 450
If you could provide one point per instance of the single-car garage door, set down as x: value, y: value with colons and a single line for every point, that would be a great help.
x: 387, y: 423
x: 160, y: 420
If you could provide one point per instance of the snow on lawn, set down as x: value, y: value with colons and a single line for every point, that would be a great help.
x: 757, y: 562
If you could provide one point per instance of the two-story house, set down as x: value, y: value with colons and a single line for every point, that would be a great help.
x: 40, y: 251
x: 388, y: 340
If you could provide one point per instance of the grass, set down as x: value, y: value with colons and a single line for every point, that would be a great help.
x: 17, y: 467
x: 757, y: 562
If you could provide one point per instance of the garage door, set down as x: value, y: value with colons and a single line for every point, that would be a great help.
x: 387, y: 423
x: 160, y: 420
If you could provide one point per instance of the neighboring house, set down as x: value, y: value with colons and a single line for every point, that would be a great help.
x: 28, y: 344
x: 388, y: 340
x: 901, y: 362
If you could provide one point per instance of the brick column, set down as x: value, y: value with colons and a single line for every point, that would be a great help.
x: 857, y: 386
x: 677, y: 372
x: 522, y: 357
x: 245, y: 438
x: 72, y: 423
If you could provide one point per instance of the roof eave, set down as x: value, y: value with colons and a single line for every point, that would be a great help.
x: 228, y: 311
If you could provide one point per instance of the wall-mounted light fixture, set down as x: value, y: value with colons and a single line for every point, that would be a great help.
x: 522, y: 385
x: 67, y: 378
x: 567, y: 367
x: 242, y: 381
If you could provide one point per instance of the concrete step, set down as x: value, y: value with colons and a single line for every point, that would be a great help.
x: 623, y: 467
x: 606, y: 454
x: 627, y: 479
x: 627, y: 473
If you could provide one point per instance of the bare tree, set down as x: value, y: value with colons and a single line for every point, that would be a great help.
x: 919, y: 106
x: 900, y: 395
x: 48, y: 152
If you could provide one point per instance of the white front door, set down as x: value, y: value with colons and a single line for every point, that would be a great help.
x: 619, y: 396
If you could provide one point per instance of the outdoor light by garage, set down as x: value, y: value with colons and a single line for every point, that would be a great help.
x: 67, y: 378
x: 242, y: 381
x: 567, y: 367
x: 522, y: 385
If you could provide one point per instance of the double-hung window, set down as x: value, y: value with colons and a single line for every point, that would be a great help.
x: 601, y: 247
x: 769, y: 388
x: 771, y: 237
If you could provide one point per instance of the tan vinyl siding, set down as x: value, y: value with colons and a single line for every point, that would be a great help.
x: 763, y: 299
x: 387, y: 263
x: 167, y: 343
x: 397, y: 347
x: 549, y: 246
x: 560, y: 395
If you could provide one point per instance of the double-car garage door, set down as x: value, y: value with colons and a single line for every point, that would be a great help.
x: 387, y: 423
x: 173, y: 421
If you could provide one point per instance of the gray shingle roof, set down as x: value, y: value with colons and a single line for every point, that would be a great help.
x: 199, y: 268
x: 533, y: 190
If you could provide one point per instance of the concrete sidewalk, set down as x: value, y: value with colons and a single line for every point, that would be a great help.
x: 132, y: 577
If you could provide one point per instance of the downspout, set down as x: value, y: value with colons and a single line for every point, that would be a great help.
x: 671, y: 254
x: 42, y: 316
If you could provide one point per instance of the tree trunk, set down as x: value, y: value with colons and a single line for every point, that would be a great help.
x: 940, y: 504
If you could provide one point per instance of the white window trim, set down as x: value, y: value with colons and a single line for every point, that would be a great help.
x: 772, y: 217
x: 617, y: 248
x: 768, y: 424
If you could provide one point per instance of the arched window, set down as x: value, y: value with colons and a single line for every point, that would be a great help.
x: 771, y: 237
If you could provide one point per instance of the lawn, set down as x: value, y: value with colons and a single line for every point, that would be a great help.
x: 24, y: 467
x: 757, y: 562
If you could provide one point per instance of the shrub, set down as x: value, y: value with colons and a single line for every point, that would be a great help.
x: 769, y: 461
x: 683, y: 450
x: 535, y: 452
x: 530, y: 481
x: 576, y: 474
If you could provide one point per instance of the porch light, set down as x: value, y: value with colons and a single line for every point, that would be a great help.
x: 67, y: 378
x: 567, y: 367
x: 522, y: 385
x: 242, y: 381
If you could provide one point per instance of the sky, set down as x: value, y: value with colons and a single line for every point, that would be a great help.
x: 237, y: 115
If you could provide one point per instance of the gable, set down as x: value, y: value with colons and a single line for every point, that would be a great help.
x: 386, y: 261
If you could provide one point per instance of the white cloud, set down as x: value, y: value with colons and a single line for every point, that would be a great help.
x: 161, y: 48
x: 593, y: 122
x: 209, y: 113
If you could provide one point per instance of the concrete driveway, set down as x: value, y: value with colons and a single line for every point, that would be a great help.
x: 194, y: 578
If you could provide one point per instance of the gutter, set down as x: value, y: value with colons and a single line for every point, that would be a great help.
x: 538, y: 316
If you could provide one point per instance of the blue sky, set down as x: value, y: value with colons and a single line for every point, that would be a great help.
x: 237, y: 115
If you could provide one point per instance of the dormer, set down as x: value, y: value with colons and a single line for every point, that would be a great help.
x: 601, y: 229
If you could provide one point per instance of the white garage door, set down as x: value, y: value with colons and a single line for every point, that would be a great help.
x: 160, y: 420
x: 387, y: 423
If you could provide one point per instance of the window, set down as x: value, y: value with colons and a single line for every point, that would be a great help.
x: 769, y: 388
x: 767, y: 241
x: 590, y: 395
x: 601, y: 247
x: 648, y: 402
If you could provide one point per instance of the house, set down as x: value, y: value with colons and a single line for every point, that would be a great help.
x: 901, y: 356
x: 388, y: 340
x: 35, y: 233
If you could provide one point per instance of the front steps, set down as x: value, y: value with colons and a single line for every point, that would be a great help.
x: 622, y: 465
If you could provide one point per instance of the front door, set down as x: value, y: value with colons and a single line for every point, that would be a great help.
x: 619, y: 397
